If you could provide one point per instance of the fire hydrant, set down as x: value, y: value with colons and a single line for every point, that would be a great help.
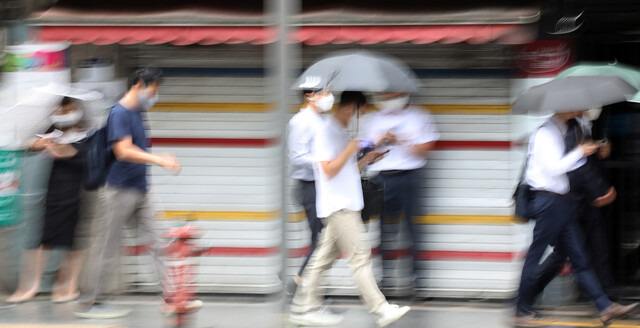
x: 180, y: 275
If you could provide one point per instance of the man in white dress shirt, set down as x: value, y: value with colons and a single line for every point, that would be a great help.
x: 300, y: 137
x: 556, y: 223
x: 339, y: 202
x: 409, y: 134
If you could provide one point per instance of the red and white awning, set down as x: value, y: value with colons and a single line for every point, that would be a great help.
x: 310, y: 35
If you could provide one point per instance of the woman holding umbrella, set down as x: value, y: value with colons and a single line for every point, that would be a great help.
x: 62, y: 207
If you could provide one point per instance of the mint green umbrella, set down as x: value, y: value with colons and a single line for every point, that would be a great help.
x: 628, y: 73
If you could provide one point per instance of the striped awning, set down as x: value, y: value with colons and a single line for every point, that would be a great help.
x: 310, y: 35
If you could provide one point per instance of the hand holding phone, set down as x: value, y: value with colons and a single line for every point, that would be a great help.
x: 379, y: 156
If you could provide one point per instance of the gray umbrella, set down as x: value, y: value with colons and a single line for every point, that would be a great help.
x: 573, y: 94
x: 359, y: 71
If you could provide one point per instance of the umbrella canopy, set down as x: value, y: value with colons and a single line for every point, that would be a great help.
x: 359, y: 71
x: 22, y: 121
x: 628, y: 73
x: 573, y: 94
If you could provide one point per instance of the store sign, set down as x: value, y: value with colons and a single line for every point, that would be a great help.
x: 544, y: 58
x: 39, y: 61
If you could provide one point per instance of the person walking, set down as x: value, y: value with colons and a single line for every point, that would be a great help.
x: 409, y: 134
x: 300, y: 138
x: 125, y: 195
x: 556, y: 224
x: 591, y: 192
x: 62, y: 206
x: 339, y: 201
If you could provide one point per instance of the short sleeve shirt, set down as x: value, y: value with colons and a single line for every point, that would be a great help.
x: 124, y: 123
x: 344, y: 190
x: 411, y: 127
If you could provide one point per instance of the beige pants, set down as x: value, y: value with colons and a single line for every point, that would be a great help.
x: 342, y: 234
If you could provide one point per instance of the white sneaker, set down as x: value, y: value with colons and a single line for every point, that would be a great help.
x: 391, y: 314
x: 192, y: 306
x: 321, y: 317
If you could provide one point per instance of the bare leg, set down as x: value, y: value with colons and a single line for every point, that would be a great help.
x: 66, y: 286
x: 33, y: 263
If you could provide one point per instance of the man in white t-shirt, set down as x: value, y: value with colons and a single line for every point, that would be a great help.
x: 339, y: 201
x: 409, y: 134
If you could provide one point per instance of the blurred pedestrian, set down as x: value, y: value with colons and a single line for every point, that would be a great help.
x: 64, y: 141
x: 300, y: 137
x: 556, y: 223
x: 125, y: 195
x: 591, y: 191
x: 409, y: 134
x: 339, y: 201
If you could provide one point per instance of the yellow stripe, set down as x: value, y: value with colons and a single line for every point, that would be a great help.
x: 300, y: 216
x: 218, y: 216
x: 469, y: 109
x: 210, y: 108
x: 464, y: 219
x: 263, y: 108
x: 440, y: 219
x: 296, y: 217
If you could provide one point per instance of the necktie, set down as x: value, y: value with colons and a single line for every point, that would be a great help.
x: 574, y: 135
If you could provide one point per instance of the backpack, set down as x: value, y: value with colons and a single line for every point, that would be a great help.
x: 98, y: 159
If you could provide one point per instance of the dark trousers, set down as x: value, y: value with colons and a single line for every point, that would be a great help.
x: 557, y: 225
x: 400, y: 198
x: 308, y: 201
x: 595, y: 243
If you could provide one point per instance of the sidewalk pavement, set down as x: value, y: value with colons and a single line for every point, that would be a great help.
x: 260, y: 312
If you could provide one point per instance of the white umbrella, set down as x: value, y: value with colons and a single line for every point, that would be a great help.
x: 573, y: 93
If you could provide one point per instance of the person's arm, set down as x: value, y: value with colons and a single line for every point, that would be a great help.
x: 62, y: 150
x: 424, y: 148
x: 125, y: 151
x: 298, y: 147
x: 119, y: 136
x: 551, y: 158
x: 333, y: 167
x: 368, y: 159
x: 428, y: 137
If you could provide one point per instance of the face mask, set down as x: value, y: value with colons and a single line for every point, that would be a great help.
x: 592, y: 114
x: 392, y: 105
x: 325, y: 103
x: 146, y: 101
x: 66, y: 120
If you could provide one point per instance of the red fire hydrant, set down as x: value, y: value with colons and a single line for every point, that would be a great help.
x: 180, y: 275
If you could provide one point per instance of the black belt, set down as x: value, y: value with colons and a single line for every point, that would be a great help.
x: 395, y: 172
x: 549, y: 193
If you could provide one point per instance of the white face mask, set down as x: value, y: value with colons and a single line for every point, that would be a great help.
x: 66, y: 120
x: 392, y: 105
x: 592, y: 114
x: 147, y: 101
x: 325, y: 103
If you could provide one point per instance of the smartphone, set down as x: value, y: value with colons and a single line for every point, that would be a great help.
x: 602, y: 142
x: 381, y: 154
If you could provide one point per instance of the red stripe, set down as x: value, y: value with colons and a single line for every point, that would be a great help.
x: 303, y: 252
x: 239, y: 251
x: 388, y: 255
x: 466, y: 256
x: 213, y: 142
x: 459, y: 144
x: 222, y: 142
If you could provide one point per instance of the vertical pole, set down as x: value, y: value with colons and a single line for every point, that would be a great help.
x: 280, y: 55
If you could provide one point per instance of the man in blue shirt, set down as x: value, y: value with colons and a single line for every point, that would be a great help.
x: 124, y: 197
